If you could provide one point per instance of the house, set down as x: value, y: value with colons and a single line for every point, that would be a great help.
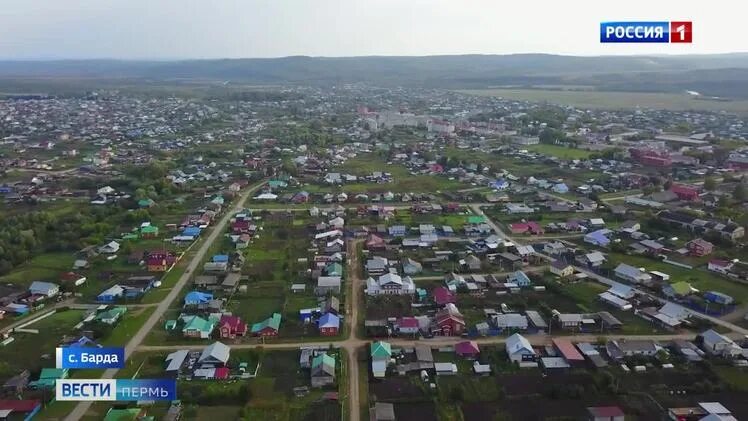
x: 267, y: 327
x: 598, y: 238
x: 377, y: 265
x: 718, y: 297
x: 530, y: 227
x: 467, y: 349
x: 327, y: 285
x: 699, y: 247
x: 593, y: 259
x: 44, y: 289
x: 175, y: 361
x: 160, y: 261
x: 111, y: 294
x: 381, y: 352
x: 328, y: 324
x: 717, y: 344
x: 450, y: 321
x: 148, y: 232
x: 727, y: 230
x: 720, y: 266
x: 678, y: 290
x: 323, y: 370
x: 216, y: 354
x: 631, y: 274
x: 605, y: 413
x: 73, y: 278
x: 111, y: 316
x: 408, y: 325
x: 411, y: 267
x: 48, y: 378
x: 125, y: 414
x: 471, y: 262
x: 332, y: 305
x: 561, y: 269
x: 518, y: 349
x: 110, y: 248
x: 397, y: 231
x: 568, y: 351
x: 375, y: 242
x: 685, y: 193
x: 197, y: 298
x: 443, y: 296
x: 518, y: 208
x: 630, y: 348
x: 560, y: 188
x: 390, y: 283
x: 519, y: 278
x: 198, y: 327
x: 229, y: 327
x: 510, y: 321
x: 554, y: 248
x: 20, y: 409
x: 382, y: 411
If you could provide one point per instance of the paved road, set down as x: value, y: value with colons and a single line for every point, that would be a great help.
x: 217, y: 231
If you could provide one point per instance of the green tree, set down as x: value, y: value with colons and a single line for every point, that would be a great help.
x: 710, y: 184
x: 740, y: 194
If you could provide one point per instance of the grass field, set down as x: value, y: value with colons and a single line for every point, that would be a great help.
x: 560, y: 151
x: 28, y: 348
x: 614, y: 100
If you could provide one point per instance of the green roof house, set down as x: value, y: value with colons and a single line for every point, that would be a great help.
x: 267, y: 327
x: 48, y: 377
x: 128, y: 414
x: 111, y: 316
x: 277, y: 184
x: 146, y: 203
x: 149, y: 231
x: 678, y: 289
x: 334, y: 269
x: 323, y: 370
x: 381, y: 351
x: 197, y: 327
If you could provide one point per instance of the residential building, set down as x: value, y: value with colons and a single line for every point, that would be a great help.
x: 562, y: 269
x: 450, y: 321
x: 632, y: 274
x: 323, y: 370
x: 231, y: 326
x: 605, y: 413
x: 328, y: 324
x: 269, y: 327
x: 390, y: 284
x: 518, y: 349
x: 699, y: 247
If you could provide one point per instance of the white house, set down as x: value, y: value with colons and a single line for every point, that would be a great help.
x: 46, y: 289
x: 390, y: 283
x: 519, y: 349
x: 718, y: 344
x: 109, y: 248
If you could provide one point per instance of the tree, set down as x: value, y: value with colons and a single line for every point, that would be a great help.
x: 710, y: 184
x: 740, y: 194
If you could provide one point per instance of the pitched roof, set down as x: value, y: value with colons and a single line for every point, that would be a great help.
x: 272, y: 322
x: 216, y: 351
x: 381, y: 349
x: 516, y: 343
x: 323, y: 364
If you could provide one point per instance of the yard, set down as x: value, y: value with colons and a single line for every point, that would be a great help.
x: 559, y: 151
x: 36, y: 351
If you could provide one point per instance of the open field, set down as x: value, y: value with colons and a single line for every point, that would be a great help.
x: 614, y: 100
x: 559, y: 151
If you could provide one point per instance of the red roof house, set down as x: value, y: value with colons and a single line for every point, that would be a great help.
x: 160, y: 261
x: 443, y: 296
x: 231, y: 327
x: 450, y: 321
x: 28, y: 407
x: 240, y: 227
x: 687, y: 193
x: 568, y: 351
x: 375, y: 243
x: 467, y: 349
x: 222, y: 373
x: 700, y: 247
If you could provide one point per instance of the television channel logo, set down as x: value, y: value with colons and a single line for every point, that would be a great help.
x: 116, y: 390
x: 663, y: 32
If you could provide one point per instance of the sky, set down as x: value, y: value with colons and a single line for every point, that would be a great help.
x: 186, y: 29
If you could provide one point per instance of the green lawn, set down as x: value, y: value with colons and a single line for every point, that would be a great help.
x: 27, y: 349
x: 128, y: 326
x: 614, y: 100
x: 559, y: 151
x: 699, y: 277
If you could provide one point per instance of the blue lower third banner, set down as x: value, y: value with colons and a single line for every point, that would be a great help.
x: 116, y: 390
x: 82, y: 357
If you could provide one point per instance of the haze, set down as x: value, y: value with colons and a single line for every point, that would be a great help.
x: 146, y: 29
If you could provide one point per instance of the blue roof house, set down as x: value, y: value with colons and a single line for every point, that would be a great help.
x: 195, y: 298
x: 191, y: 232
x: 560, y: 188
x: 219, y: 258
x: 500, y: 184
x: 519, y: 278
x: 598, y: 238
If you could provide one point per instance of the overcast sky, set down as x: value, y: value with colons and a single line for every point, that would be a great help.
x: 168, y: 29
